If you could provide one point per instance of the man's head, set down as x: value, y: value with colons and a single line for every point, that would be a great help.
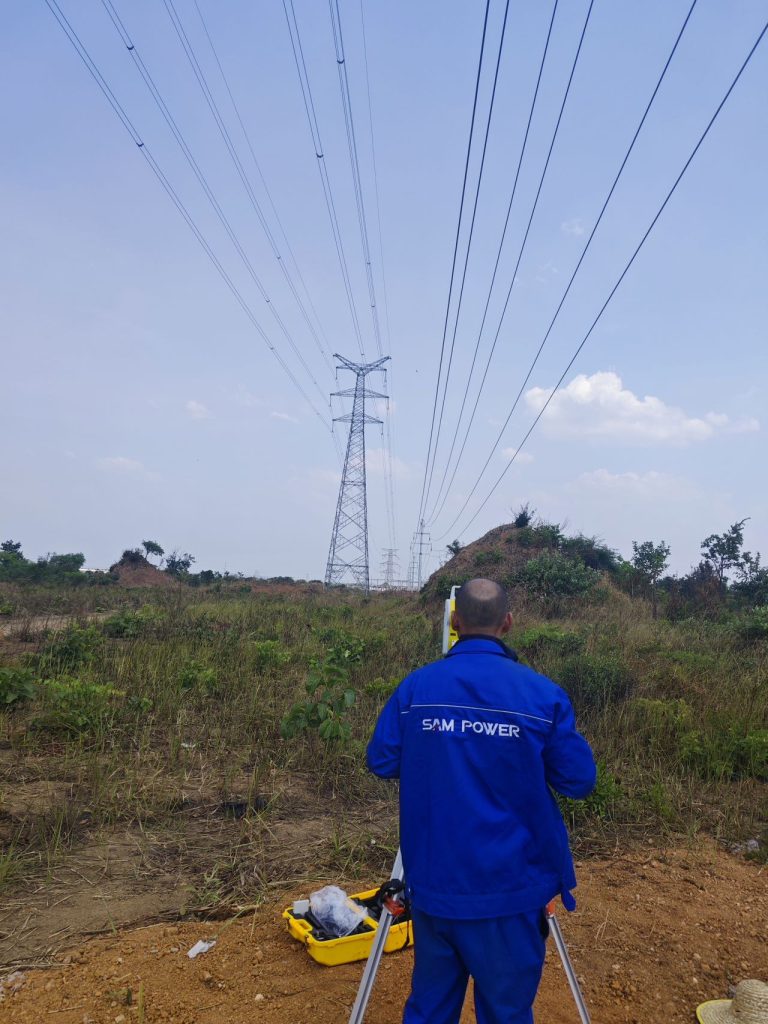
x: 481, y: 607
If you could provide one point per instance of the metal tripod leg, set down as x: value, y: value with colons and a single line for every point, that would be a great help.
x: 562, y: 949
x: 374, y: 957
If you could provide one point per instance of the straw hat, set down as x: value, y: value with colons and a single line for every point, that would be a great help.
x: 748, y: 1006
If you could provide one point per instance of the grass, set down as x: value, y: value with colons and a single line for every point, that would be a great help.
x: 167, y: 694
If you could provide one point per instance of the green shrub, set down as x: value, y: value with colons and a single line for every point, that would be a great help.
x: 16, y: 686
x: 725, y: 753
x: 268, y: 654
x: 602, y: 803
x: 71, y: 649
x: 751, y: 628
x: 198, y: 678
x: 540, y: 639
x: 6, y: 608
x: 488, y: 558
x: 381, y: 687
x: 127, y: 624
x: 75, y: 706
x: 752, y: 755
x: 594, y: 681
x: 550, y: 576
x: 331, y: 698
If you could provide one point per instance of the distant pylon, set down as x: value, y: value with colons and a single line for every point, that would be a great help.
x: 388, y: 566
x: 348, y: 555
x: 420, y: 548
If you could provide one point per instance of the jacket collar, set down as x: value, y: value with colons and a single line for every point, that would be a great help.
x: 478, y: 643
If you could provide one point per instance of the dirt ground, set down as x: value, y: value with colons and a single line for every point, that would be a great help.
x: 655, y: 933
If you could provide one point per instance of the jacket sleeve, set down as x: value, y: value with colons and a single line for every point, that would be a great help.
x: 568, y: 762
x: 384, y: 748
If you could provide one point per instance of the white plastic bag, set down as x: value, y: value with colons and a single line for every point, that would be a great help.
x: 335, y: 911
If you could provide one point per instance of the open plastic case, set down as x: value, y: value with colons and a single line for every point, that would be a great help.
x: 330, y: 951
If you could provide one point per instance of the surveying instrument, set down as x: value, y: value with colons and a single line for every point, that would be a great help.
x: 390, y: 908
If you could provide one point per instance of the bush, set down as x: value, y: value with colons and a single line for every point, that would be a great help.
x: 540, y: 639
x: 16, y: 686
x: 268, y: 654
x: 200, y: 678
x: 331, y: 698
x: 594, y: 681
x: 726, y: 754
x: 488, y: 558
x: 6, y: 608
x: 76, y: 707
x: 550, y: 576
x: 752, y: 628
x: 601, y: 803
x: 126, y: 625
x: 133, y: 556
x: 74, y: 647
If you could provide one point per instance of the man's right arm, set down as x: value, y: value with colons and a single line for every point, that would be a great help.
x: 568, y: 762
x: 385, y: 746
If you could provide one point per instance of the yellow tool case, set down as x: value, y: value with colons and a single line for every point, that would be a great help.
x: 357, y: 946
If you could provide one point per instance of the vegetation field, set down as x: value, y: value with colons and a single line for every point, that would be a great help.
x: 183, y: 752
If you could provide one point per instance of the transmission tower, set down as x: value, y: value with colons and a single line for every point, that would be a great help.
x: 388, y: 567
x: 420, y: 548
x: 348, y: 555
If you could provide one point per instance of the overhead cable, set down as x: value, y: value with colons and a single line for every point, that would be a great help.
x: 604, y: 306
x: 322, y: 345
x: 96, y: 74
x: 435, y: 509
x: 203, y: 181
x: 478, y: 74
x: 576, y: 268
x: 314, y: 128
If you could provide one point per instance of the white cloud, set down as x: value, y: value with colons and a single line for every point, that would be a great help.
x: 284, y: 417
x: 126, y: 466
x: 649, y: 485
x: 574, y: 226
x: 523, y: 459
x: 196, y: 410
x: 601, y: 407
x: 376, y: 462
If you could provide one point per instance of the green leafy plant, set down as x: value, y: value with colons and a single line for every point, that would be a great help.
x: 593, y: 681
x: 127, y: 624
x: 6, y: 608
x: 16, y: 686
x: 602, y: 802
x: 76, y: 706
x: 268, y: 654
x: 542, y: 639
x: 71, y: 649
x: 331, y: 698
x: 197, y: 677
x: 551, y: 575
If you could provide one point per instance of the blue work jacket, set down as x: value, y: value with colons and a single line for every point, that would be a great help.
x: 479, y: 742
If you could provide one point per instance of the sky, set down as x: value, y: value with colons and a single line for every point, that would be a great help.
x: 139, y: 401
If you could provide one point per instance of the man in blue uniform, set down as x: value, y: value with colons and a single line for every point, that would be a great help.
x: 479, y: 742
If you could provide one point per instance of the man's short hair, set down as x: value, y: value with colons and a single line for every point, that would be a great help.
x: 481, y: 604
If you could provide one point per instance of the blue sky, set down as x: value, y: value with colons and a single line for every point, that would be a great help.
x: 139, y: 402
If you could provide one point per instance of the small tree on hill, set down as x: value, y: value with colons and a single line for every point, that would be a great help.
x: 524, y: 516
x: 722, y: 551
x: 178, y: 564
x: 13, y: 547
x: 454, y: 547
x: 650, y: 561
x: 151, y: 547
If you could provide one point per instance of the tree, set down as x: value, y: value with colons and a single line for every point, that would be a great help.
x: 650, y: 561
x: 454, y: 547
x: 177, y: 564
x: 13, y: 547
x: 524, y: 516
x: 151, y: 547
x: 722, y: 551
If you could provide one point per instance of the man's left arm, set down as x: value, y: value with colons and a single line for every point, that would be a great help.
x: 385, y: 746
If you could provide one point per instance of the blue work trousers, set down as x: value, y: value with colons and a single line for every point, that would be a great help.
x: 503, y: 955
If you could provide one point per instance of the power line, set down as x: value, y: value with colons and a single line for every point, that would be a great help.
x: 314, y: 128
x: 576, y: 269
x: 435, y: 510
x: 203, y: 181
x: 346, y: 102
x: 612, y: 292
x: 469, y: 244
x: 289, y: 249
x: 170, y: 191
x: 453, y: 262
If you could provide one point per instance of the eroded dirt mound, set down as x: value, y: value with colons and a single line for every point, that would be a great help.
x: 655, y: 934
x: 140, y: 573
x: 497, y: 555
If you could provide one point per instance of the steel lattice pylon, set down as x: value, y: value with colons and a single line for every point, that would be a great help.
x: 348, y: 555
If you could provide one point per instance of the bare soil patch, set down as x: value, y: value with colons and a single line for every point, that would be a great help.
x: 656, y: 932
